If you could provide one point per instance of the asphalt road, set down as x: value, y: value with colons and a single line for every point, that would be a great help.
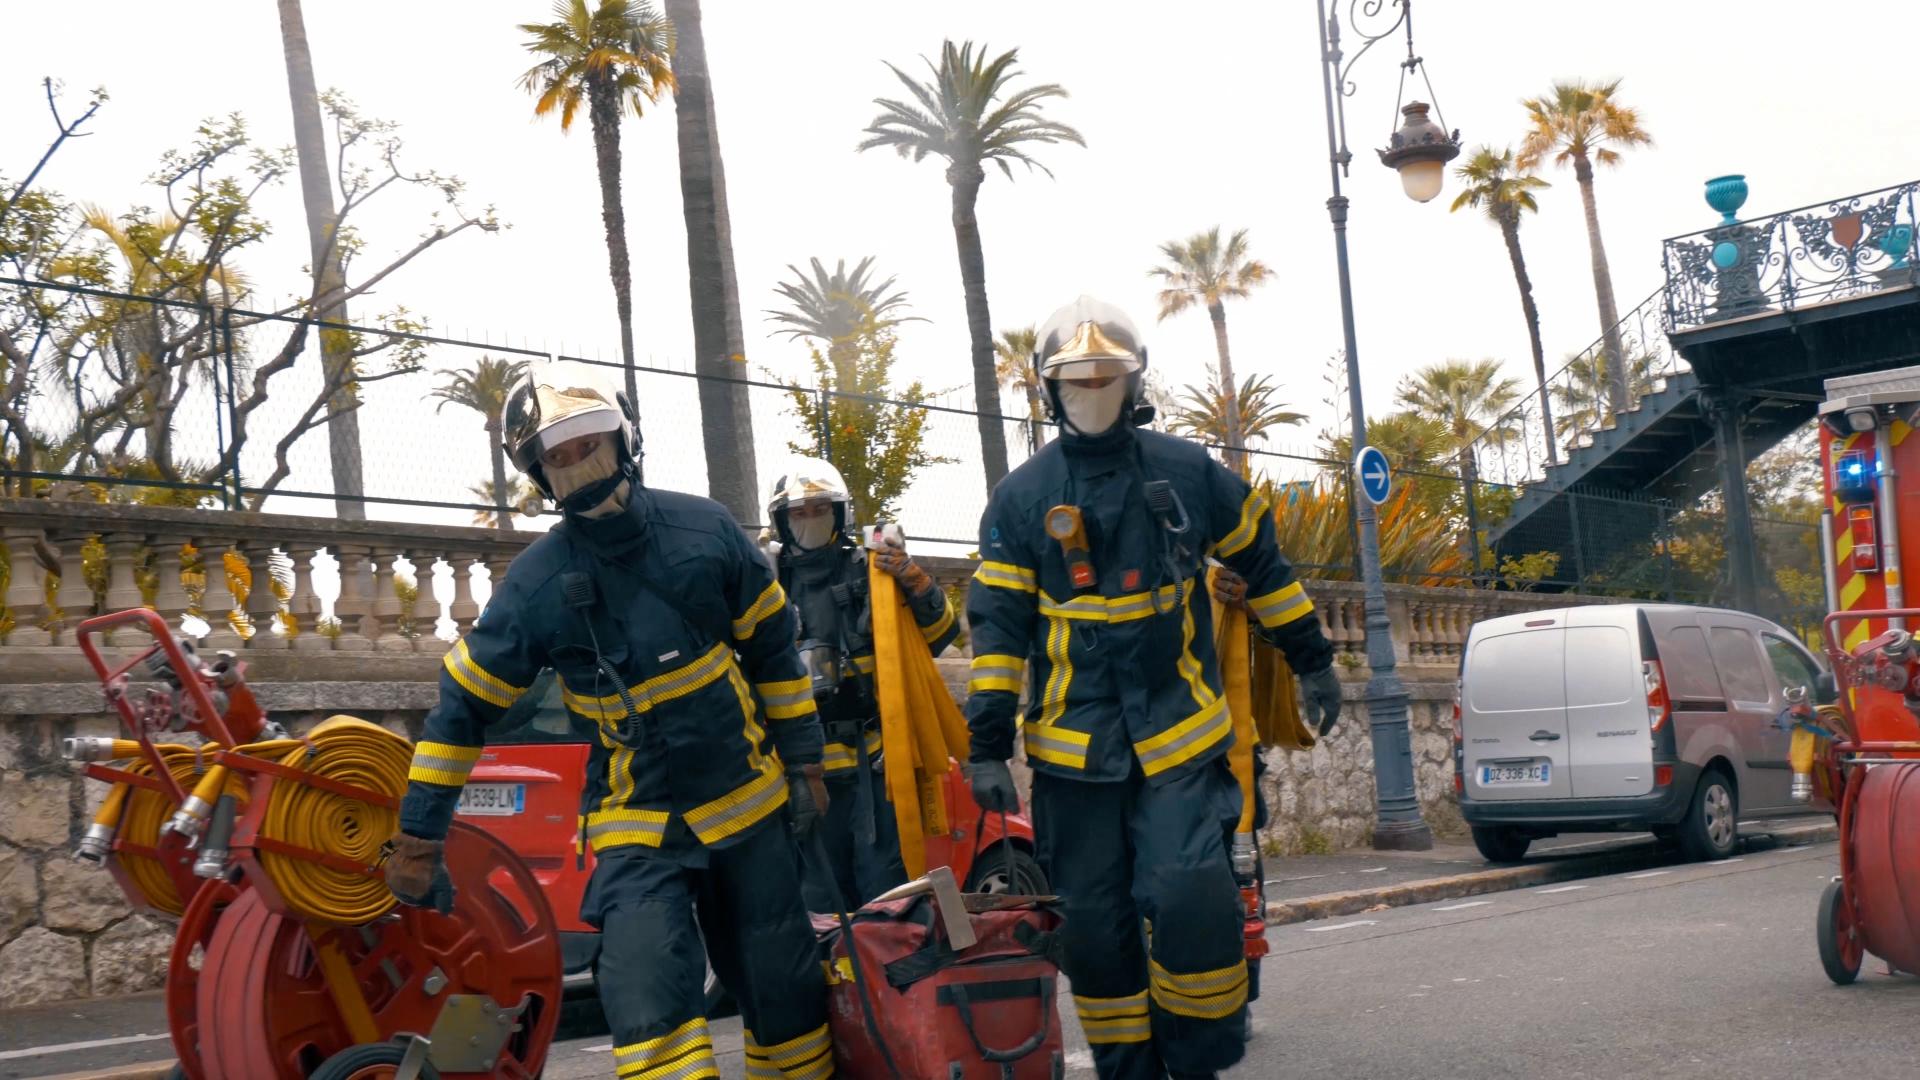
x: 1683, y: 971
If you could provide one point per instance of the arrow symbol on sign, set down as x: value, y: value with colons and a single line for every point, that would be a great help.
x: 1375, y: 472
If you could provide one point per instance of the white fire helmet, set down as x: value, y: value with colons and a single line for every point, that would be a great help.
x: 804, y: 479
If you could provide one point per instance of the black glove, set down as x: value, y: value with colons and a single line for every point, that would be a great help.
x: 1320, y: 695
x: 807, y: 796
x: 416, y: 872
x: 993, y: 786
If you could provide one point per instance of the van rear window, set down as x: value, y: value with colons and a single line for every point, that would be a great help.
x: 1738, y: 658
x: 1600, y: 666
x: 1517, y: 672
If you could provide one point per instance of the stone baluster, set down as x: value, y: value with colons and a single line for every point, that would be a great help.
x: 1419, y: 632
x: 73, y: 599
x: 1353, y: 626
x: 26, y: 588
x: 123, y: 588
x: 304, y: 604
x: 426, y: 572
x: 463, y: 611
x: 356, y: 601
x: 170, y: 599
x: 220, y: 599
x: 263, y: 607
x: 382, y: 625
x: 497, y: 564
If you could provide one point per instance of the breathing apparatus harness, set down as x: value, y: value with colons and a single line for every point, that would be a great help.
x: 842, y: 593
x: 1065, y: 523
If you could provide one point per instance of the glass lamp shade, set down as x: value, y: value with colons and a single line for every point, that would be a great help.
x: 1422, y: 179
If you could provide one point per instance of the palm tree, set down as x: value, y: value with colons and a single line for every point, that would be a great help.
x: 1588, y: 383
x: 614, y: 58
x: 1580, y: 122
x: 1469, y: 397
x: 1412, y: 441
x: 328, y: 267
x: 1203, y: 413
x: 515, y: 494
x: 719, y: 344
x: 961, y: 115
x: 484, y: 388
x: 1014, y: 370
x: 831, y: 308
x: 1202, y: 271
x: 1495, y: 187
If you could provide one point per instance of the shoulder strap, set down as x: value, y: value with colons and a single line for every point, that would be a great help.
x: 719, y: 632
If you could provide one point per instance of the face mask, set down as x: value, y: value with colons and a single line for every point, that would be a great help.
x: 588, y: 471
x: 811, y: 533
x: 1092, y: 411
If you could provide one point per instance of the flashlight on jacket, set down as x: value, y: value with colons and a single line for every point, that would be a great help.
x: 1065, y: 525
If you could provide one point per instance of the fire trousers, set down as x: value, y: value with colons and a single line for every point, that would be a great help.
x: 1152, y: 936
x: 757, y: 936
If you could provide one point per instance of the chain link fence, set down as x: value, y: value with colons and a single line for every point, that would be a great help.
x: 115, y: 397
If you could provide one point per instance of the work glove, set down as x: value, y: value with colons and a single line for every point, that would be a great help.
x: 993, y: 786
x: 1320, y: 693
x: 416, y: 872
x: 1229, y: 588
x: 807, y: 796
x: 891, y: 556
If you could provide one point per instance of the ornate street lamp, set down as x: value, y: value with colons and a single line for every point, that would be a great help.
x: 1419, y: 151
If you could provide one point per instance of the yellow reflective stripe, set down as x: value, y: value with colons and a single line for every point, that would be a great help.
x: 740, y: 808
x: 1056, y: 745
x: 1251, y: 513
x: 1857, y: 635
x: 1114, y: 1020
x: 795, y: 1058
x: 677, y: 683
x: 996, y: 671
x: 1183, y: 741
x: 941, y: 625
x: 787, y: 699
x: 1007, y: 576
x: 771, y: 601
x: 1282, y: 606
x: 477, y: 680
x: 1852, y: 591
x: 1898, y: 431
x: 1053, y: 700
x: 685, y: 1053
x: 838, y: 757
x: 1189, y: 665
x: 1843, y: 548
x: 446, y: 764
x: 622, y: 826
x: 864, y: 663
x: 1140, y: 605
x: 1204, y: 995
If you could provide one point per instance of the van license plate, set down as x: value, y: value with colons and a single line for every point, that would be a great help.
x: 492, y: 800
x: 1495, y: 775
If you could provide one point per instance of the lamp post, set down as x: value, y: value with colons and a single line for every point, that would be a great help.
x: 1419, y: 151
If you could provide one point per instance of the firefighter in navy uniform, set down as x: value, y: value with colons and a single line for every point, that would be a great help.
x: 824, y: 572
x: 1092, y: 575
x: 673, y: 639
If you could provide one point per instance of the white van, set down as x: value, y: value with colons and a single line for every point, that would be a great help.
x: 1625, y: 717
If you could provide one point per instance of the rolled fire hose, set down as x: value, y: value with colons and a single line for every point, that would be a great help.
x: 1234, y: 651
x: 920, y: 726
x: 343, y: 748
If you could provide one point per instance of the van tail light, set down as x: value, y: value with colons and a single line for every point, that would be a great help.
x: 1456, y: 714
x: 1459, y: 776
x: 1663, y: 776
x: 1861, y: 522
x: 1659, y: 706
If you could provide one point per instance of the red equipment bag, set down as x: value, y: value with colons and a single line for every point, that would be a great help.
x: 905, y: 1005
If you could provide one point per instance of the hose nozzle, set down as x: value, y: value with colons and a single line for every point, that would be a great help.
x: 94, y: 844
x: 1802, y: 790
x: 190, y: 819
x: 98, y: 748
x: 1245, y: 858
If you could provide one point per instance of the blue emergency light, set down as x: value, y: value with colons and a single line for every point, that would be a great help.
x: 1853, y: 477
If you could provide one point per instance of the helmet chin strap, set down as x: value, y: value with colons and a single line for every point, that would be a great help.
x: 594, y: 494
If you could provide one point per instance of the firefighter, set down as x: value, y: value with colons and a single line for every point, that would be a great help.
x: 824, y: 572
x: 1092, y: 574
x: 674, y: 642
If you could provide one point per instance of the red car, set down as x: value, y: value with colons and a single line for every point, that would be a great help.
x: 526, y: 790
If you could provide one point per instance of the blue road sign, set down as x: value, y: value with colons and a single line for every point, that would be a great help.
x: 1376, y: 479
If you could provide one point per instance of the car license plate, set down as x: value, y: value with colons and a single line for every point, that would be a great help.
x: 1495, y: 775
x: 493, y: 800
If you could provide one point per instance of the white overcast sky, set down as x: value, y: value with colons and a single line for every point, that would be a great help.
x: 1206, y: 113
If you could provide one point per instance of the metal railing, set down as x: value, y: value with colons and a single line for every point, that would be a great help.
x: 1827, y: 251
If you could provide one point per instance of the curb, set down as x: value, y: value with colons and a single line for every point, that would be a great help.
x: 1501, y: 879
x: 145, y: 1070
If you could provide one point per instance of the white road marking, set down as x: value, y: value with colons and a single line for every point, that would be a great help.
x: 1374, y: 870
x: 1733, y: 860
x: 1563, y: 888
x: 67, y: 1048
x: 1339, y: 926
x: 1461, y: 907
x: 1648, y: 874
x: 601, y: 1049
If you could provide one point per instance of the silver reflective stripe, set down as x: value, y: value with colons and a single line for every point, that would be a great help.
x: 781, y: 700
x: 1289, y: 606
x: 773, y: 792
x: 1114, y: 1031
x: 1217, y: 724
x: 442, y: 764
x: 603, y: 828
x: 1045, y: 740
x: 995, y: 671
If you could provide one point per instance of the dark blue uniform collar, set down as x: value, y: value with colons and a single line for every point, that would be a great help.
x: 1095, y: 455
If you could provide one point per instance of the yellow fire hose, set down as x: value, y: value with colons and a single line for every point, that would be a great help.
x: 920, y: 726
x: 344, y: 749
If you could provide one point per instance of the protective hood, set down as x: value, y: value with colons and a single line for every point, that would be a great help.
x: 811, y: 533
x: 1093, y: 411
